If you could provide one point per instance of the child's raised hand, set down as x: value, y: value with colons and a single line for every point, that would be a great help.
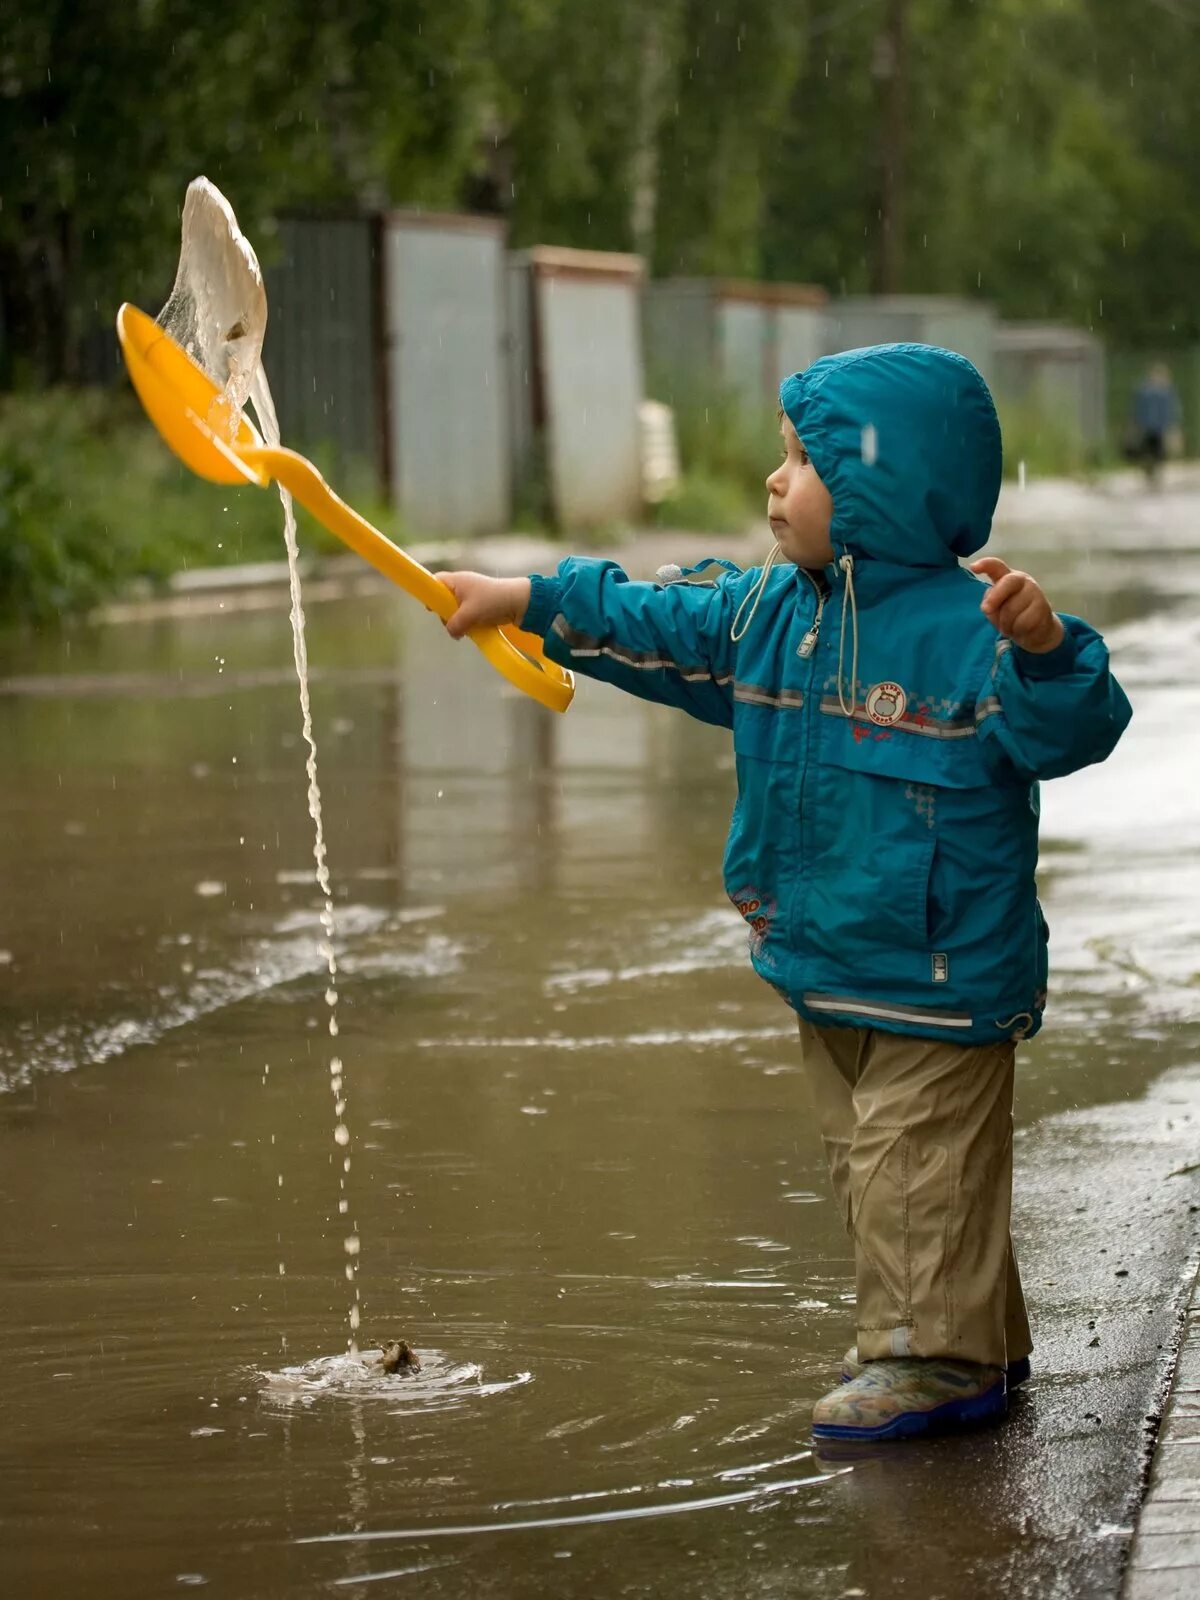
x: 483, y: 600
x: 1016, y: 607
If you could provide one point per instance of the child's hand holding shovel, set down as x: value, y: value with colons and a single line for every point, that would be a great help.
x: 483, y: 600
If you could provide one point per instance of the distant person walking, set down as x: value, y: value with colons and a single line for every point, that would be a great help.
x: 1154, y: 421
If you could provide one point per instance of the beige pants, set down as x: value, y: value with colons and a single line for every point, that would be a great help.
x: 918, y: 1137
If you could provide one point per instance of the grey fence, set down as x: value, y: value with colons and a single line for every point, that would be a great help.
x: 470, y: 378
x: 1059, y: 371
x: 709, y: 335
x: 445, y: 323
x: 577, y: 362
x: 322, y: 351
x: 967, y: 326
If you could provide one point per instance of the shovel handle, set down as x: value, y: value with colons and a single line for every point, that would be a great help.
x: 513, y: 652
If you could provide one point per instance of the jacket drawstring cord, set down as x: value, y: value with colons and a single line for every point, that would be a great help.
x: 847, y: 566
x: 1024, y: 1018
x: 739, y: 629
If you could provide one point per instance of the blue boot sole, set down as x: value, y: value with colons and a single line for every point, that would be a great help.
x: 990, y: 1406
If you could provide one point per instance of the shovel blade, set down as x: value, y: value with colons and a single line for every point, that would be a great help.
x: 186, y: 407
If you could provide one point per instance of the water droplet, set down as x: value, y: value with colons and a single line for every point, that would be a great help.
x: 341, y: 1134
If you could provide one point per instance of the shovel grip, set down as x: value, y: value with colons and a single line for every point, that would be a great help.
x: 510, y: 650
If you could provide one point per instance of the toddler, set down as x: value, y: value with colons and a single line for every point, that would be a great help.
x: 892, y: 715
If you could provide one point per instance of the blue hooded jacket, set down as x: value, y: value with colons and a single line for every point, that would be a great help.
x: 888, y: 740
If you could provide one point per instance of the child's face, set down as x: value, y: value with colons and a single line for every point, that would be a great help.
x: 799, y: 507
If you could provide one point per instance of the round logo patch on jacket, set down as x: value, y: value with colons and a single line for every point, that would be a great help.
x: 886, y: 703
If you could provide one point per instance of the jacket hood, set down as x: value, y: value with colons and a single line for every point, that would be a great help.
x: 906, y: 440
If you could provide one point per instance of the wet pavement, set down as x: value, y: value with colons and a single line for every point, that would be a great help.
x: 583, y: 1169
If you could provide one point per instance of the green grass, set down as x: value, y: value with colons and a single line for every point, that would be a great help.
x: 91, y: 500
x: 1048, y: 447
x: 725, y: 454
x: 705, y: 503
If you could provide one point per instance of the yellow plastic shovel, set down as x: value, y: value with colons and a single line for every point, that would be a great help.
x: 217, y: 443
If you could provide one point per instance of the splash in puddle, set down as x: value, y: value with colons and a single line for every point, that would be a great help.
x: 439, y: 1384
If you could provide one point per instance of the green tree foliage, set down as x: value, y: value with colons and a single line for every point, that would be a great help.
x: 734, y: 69
x: 90, y: 500
x: 1047, y: 162
x: 568, y: 117
x: 107, y: 113
x: 1050, y: 159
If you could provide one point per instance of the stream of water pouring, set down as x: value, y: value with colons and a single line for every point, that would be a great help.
x: 264, y: 406
x: 217, y: 312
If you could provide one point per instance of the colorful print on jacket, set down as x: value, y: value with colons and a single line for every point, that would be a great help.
x: 884, y: 841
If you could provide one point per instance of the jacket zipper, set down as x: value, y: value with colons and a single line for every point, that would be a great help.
x: 809, y: 642
x: 805, y: 650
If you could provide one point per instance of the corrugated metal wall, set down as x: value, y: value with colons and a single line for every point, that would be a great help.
x: 523, y: 400
x: 802, y: 337
x: 587, y: 334
x: 967, y: 326
x: 1058, y: 369
x: 322, y: 349
x: 445, y: 330
x: 416, y: 343
x: 706, y: 335
x: 679, y: 338
x: 744, y: 340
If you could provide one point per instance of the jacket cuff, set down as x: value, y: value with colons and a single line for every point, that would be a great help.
x: 544, y: 604
x: 1054, y: 663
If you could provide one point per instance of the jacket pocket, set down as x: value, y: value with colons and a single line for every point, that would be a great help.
x: 878, y: 896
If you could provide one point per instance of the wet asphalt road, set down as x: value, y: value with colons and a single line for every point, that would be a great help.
x: 583, y: 1163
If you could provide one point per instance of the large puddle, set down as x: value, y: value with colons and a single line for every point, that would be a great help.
x: 586, y: 1180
